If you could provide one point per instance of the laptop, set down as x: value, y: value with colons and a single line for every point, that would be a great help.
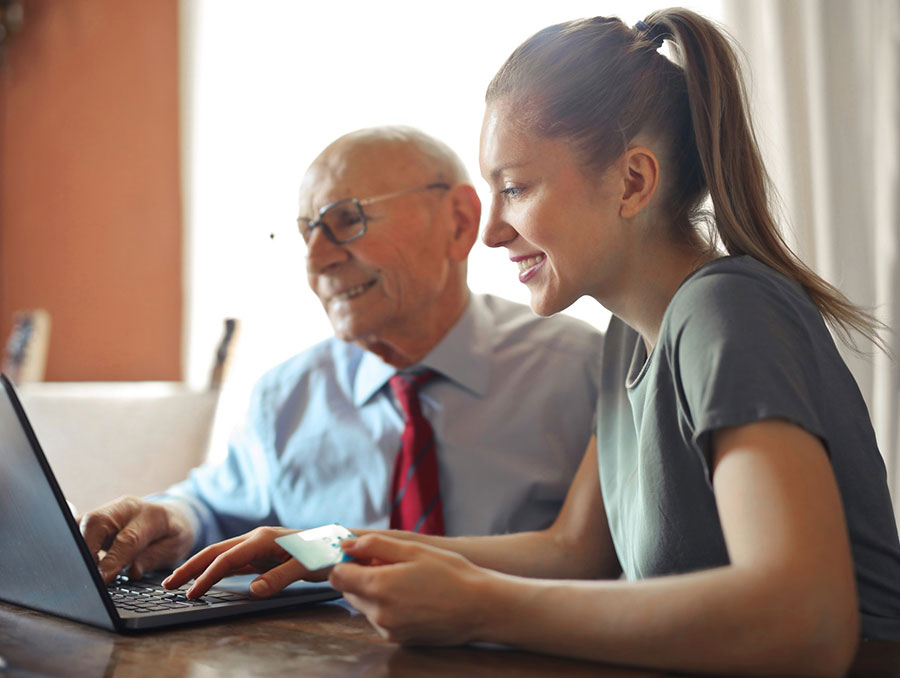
x: 45, y: 564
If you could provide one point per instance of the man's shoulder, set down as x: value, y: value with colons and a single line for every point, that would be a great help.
x: 330, y: 359
x: 517, y: 323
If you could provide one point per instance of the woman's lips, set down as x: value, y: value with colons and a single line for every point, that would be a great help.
x: 529, y: 265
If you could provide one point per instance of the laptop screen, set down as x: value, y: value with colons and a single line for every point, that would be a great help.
x: 43, y: 564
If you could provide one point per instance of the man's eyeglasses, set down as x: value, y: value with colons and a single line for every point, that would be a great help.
x: 344, y: 221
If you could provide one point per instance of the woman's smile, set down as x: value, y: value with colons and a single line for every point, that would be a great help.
x: 529, y: 265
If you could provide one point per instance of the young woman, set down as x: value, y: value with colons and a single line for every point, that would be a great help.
x: 734, y: 478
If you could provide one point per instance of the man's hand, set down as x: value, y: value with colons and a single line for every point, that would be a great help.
x: 135, y: 533
x: 255, y: 551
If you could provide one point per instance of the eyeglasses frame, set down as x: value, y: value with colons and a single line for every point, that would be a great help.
x: 360, y: 203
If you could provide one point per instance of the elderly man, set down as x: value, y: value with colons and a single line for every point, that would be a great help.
x: 339, y: 433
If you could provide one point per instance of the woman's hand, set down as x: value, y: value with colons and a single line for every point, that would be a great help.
x: 255, y: 551
x: 413, y: 593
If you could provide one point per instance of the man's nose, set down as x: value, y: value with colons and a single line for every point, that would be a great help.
x: 497, y: 231
x: 321, y: 253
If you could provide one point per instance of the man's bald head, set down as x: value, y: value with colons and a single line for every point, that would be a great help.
x: 411, y: 149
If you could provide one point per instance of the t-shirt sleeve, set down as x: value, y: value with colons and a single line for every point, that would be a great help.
x: 743, y: 349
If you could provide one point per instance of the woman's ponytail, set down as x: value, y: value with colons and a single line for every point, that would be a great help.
x: 738, y: 185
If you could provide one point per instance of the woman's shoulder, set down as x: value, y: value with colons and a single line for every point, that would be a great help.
x: 740, y: 275
x: 743, y: 303
x: 739, y: 288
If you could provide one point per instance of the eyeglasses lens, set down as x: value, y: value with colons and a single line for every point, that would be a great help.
x: 344, y: 220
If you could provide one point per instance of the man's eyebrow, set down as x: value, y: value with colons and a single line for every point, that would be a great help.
x: 315, y: 213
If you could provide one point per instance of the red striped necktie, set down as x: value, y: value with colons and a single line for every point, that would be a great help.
x: 415, y: 492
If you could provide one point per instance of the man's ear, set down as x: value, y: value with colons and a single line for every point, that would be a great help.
x: 466, y: 209
x: 640, y: 169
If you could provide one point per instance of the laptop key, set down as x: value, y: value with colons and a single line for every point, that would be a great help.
x: 226, y: 595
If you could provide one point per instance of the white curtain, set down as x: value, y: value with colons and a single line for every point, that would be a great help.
x: 825, y: 81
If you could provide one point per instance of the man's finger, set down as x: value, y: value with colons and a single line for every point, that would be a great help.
x: 148, y: 525
x: 156, y: 556
x: 98, y: 530
x: 129, y: 542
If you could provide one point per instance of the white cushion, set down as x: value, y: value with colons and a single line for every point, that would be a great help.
x: 112, y: 438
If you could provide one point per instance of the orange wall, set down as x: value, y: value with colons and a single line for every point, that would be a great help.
x: 90, y: 204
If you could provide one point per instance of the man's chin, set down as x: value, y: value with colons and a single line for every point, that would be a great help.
x: 349, y: 331
x: 366, y: 338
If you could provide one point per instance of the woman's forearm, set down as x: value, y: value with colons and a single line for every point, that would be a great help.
x: 541, y: 554
x: 724, y: 621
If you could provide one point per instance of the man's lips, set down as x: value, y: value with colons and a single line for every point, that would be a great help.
x: 529, y: 265
x: 351, y: 292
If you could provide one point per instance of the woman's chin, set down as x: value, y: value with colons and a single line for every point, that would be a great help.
x: 545, y: 306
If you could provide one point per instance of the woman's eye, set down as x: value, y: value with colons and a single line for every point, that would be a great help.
x: 511, y: 191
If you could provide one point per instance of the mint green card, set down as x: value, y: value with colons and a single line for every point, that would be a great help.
x: 317, y: 548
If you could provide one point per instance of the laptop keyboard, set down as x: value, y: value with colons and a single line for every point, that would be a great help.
x: 145, y: 596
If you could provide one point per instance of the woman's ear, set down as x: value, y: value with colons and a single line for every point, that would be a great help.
x: 640, y: 168
x: 466, y: 210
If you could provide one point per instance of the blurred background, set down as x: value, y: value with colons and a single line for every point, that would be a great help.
x: 150, y: 154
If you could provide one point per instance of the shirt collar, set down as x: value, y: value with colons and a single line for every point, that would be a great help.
x: 463, y: 355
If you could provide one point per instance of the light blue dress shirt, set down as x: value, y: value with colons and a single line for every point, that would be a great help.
x: 511, y: 412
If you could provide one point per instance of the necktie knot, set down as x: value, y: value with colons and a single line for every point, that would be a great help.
x: 406, y: 389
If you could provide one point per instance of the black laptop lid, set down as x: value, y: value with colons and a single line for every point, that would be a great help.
x: 44, y: 564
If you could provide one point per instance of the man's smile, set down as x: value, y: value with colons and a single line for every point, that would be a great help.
x: 352, y: 292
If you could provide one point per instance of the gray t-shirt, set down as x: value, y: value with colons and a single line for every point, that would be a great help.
x: 739, y: 343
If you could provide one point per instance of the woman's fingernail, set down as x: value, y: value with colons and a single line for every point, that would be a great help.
x: 259, y: 587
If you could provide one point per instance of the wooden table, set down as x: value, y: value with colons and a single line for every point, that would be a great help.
x: 330, y: 639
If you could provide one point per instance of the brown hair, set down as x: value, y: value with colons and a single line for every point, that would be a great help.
x: 598, y: 83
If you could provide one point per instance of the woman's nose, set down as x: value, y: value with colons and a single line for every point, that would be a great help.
x: 497, y: 231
